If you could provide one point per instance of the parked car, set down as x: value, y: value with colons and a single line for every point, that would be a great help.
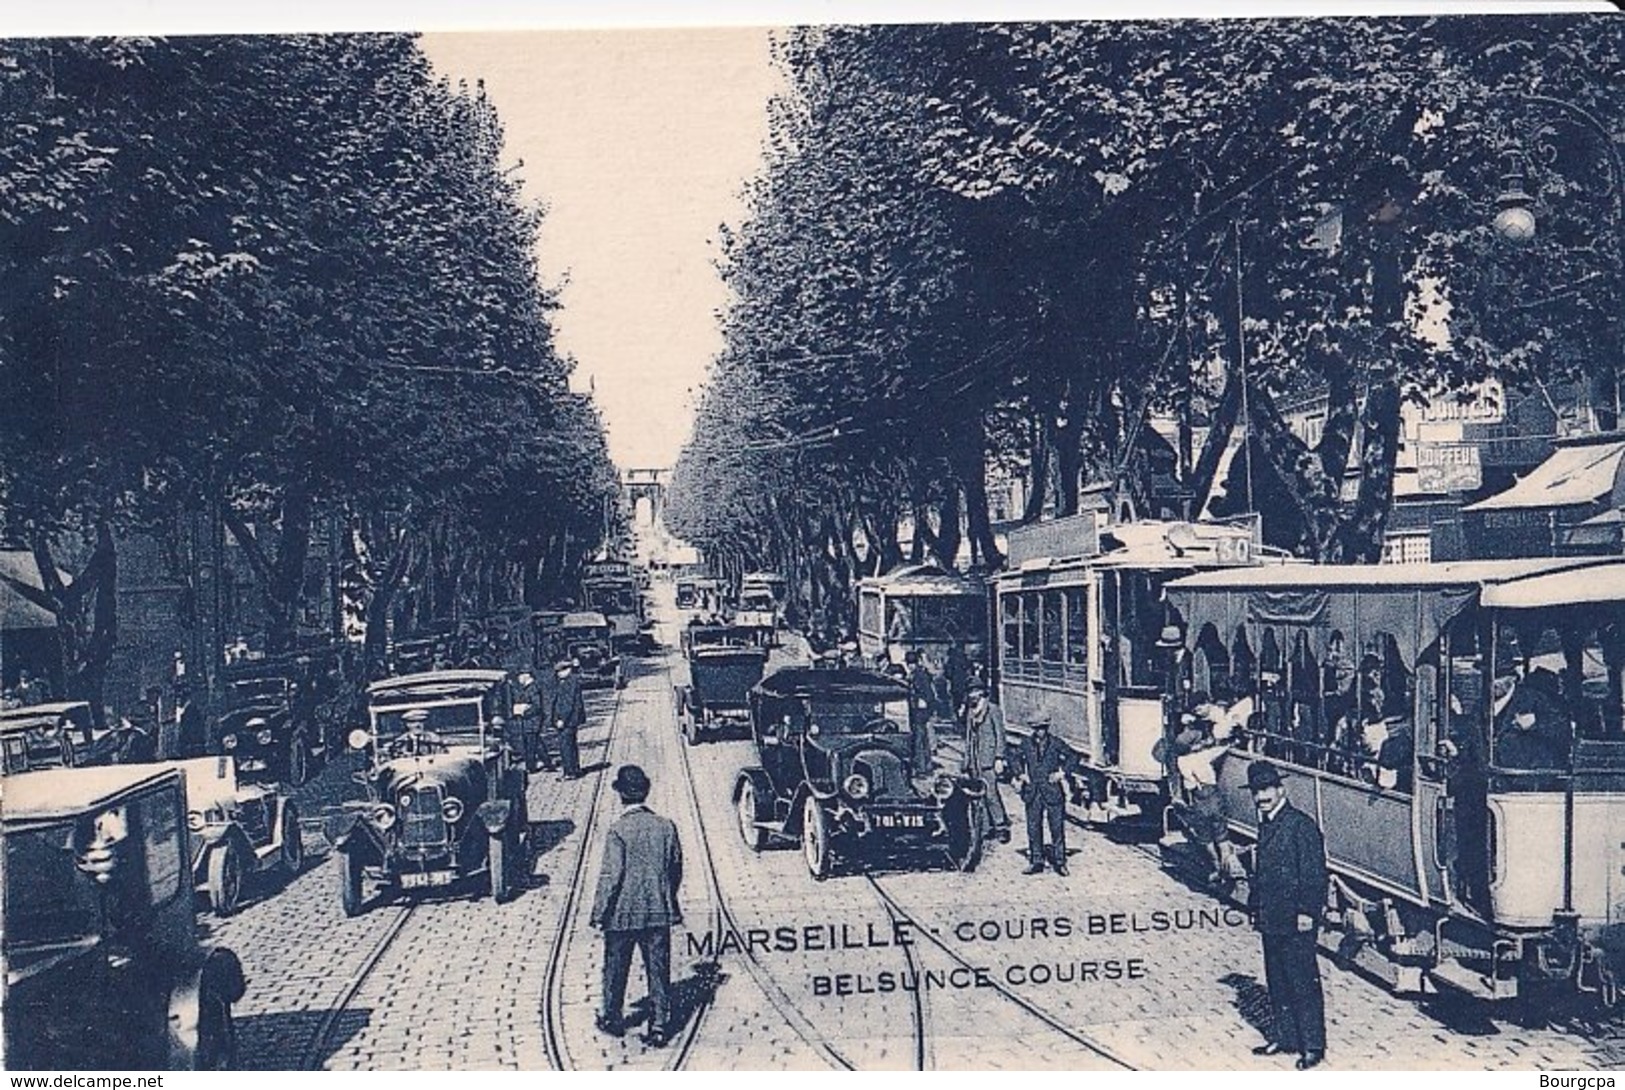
x: 588, y: 638
x: 59, y: 735
x: 723, y: 667
x: 445, y: 788
x: 239, y: 829
x: 104, y: 970
x: 835, y: 775
x: 688, y: 595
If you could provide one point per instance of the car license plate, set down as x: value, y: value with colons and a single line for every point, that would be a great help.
x: 420, y: 880
x: 899, y: 821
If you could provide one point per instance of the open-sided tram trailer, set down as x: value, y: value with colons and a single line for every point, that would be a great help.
x: 1480, y: 870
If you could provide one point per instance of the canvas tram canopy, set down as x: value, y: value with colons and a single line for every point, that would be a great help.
x: 1411, y: 602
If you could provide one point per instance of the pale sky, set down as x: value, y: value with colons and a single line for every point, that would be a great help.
x: 639, y: 142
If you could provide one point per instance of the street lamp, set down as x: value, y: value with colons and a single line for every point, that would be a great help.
x: 1515, y: 220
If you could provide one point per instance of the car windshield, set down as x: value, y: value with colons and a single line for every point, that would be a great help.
x: 457, y: 722
x: 48, y: 900
x: 759, y: 599
x: 854, y: 715
x: 262, y: 688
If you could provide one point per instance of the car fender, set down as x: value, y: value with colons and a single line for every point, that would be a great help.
x: 495, y: 815
x: 824, y: 792
x: 348, y: 833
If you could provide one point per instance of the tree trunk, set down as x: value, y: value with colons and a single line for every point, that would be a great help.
x: 1360, y: 537
x: 1038, y: 490
x: 1069, y: 464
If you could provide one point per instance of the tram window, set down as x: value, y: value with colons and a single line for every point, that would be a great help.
x: 1052, y: 630
x: 899, y: 619
x: 1010, y: 607
x: 1209, y: 662
x: 1243, y: 665
x: 869, y: 612
x: 1077, y: 627
x: 1030, y: 626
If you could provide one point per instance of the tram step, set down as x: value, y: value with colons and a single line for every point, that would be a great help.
x: 1455, y: 976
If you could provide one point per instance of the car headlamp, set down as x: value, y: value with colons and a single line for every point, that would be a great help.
x: 405, y: 801
x: 383, y: 816
x: 856, y: 786
x: 263, y: 737
x: 229, y: 742
x: 194, y: 820
x: 451, y: 809
x: 943, y: 787
x: 358, y: 738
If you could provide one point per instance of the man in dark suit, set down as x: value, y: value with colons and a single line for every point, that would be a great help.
x: 1043, y: 763
x: 637, y: 904
x: 984, y: 755
x: 1287, y: 895
x: 567, y: 714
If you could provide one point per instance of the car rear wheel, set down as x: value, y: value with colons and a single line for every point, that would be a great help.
x: 350, y: 883
x: 293, y: 841
x: 691, y: 728
x: 815, y: 848
x: 298, y: 761
x: 225, y: 878
x: 754, y: 835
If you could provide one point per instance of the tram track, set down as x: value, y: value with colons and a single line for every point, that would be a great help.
x: 1078, y: 1037
x: 552, y: 998
x: 316, y: 1050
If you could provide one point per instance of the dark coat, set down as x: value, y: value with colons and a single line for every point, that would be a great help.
x: 567, y: 706
x: 642, y: 870
x: 922, y: 693
x: 1039, y: 763
x: 1290, y: 876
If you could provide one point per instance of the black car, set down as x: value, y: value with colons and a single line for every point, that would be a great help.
x: 104, y: 968
x: 836, y: 775
x: 723, y: 667
x: 445, y: 790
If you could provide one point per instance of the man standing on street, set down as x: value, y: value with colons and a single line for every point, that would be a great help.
x: 1287, y: 895
x: 568, y: 713
x: 922, y: 697
x: 1043, y: 763
x: 636, y: 905
x: 984, y: 755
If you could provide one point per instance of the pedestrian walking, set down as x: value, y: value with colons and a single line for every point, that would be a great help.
x: 984, y: 756
x: 956, y: 671
x: 191, y: 732
x: 527, y: 719
x: 636, y: 905
x: 568, y: 714
x: 1043, y: 764
x: 1288, y: 893
x: 922, y: 697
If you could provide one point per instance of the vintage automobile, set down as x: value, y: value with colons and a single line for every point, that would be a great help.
x: 445, y: 789
x: 58, y: 735
x: 104, y: 970
x: 723, y: 667
x: 239, y: 828
x: 261, y: 725
x: 760, y: 597
x: 586, y: 637
x: 688, y: 595
x: 835, y: 775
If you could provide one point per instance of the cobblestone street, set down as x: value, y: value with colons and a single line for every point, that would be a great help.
x: 1121, y: 964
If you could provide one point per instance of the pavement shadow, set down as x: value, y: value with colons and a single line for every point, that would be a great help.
x: 547, y: 835
x: 1252, y: 1000
x: 286, y: 1040
x: 689, y: 997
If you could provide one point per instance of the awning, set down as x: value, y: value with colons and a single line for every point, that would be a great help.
x: 1603, y: 583
x: 17, y: 612
x: 1570, y: 476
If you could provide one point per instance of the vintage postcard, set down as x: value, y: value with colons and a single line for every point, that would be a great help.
x: 1073, y: 545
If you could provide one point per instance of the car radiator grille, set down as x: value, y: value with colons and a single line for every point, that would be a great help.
x: 422, y: 823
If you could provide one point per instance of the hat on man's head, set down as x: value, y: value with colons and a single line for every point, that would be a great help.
x: 631, y: 783
x: 976, y: 687
x: 416, y: 715
x: 1262, y: 774
x: 1041, y: 723
x: 564, y: 664
x: 1170, y: 637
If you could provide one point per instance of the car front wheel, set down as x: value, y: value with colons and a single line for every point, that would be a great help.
x: 293, y: 842
x: 815, y: 847
x: 350, y: 883
x: 225, y: 878
x: 754, y: 835
x: 298, y: 761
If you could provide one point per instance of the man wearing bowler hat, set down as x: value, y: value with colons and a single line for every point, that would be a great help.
x: 636, y: 905
x: 1288, y: 892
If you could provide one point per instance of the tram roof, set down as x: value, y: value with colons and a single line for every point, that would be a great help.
x: 1456, y: 573
x: 924, y: 579
x: 1590, y: 585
